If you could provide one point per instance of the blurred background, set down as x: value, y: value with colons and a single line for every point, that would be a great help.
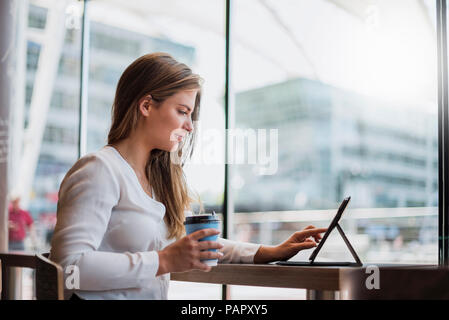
x: 350, y: 86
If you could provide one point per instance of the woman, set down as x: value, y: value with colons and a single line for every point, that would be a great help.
x: 121, y: 209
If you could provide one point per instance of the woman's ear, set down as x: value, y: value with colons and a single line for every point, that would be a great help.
x: 145, y: 104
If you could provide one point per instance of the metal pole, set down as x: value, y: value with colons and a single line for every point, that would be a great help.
x: 85, y: 39
x: 6, y: 78
x: 443, y: 136
x: 227, y: 197
x: 15, y: 284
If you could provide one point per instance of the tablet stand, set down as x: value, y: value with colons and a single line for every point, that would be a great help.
x: 348, y: 244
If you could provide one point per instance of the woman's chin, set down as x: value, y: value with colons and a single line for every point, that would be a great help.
x: 173, y: 147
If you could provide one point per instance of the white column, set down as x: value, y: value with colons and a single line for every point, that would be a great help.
x: 46, y: 72
x: 7, y: 11
x: 18, y: 98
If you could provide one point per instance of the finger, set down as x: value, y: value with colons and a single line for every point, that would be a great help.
x: 300, y: 236
x: 319, y: 234
x: 306, y: 245
x: 311, y: 232
x: 317, y: 237
x: 312, y: 227
x: 202, y: 266
x: 204, y: 245
x: 197, y: 235
x: 205, y: 255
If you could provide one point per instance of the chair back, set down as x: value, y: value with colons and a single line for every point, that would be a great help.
x: 49, y: 279
x: 48, y: 275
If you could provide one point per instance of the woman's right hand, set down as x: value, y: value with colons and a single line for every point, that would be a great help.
x: 186, y: 253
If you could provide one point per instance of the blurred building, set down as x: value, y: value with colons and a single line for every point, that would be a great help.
x: 334, y: 143
x: 112, y: 49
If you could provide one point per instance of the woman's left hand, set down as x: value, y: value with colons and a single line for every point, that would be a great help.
x: 300, y: 240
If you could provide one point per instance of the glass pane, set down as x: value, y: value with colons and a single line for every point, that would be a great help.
x: 44, y: 119
x: 194, y: 35
x: 337, y: 98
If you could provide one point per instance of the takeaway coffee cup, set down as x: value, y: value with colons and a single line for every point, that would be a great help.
x: 205, y: 221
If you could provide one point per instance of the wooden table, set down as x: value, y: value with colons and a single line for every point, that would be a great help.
x: 320, y: 282
x: 326, y: 282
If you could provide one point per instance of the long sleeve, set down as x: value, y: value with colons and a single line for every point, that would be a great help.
x: 237, y: 252
x: 87, y: 196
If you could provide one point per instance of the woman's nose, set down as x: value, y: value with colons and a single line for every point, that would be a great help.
x: 188, y: 125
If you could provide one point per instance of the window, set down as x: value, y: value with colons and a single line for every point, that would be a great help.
x: 192, y: 34
x: 351, y: 89
x: 48, y: 116
x: 37, y: 17
x: 332, y: 98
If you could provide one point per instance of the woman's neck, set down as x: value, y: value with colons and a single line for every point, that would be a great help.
x: 135, y: 152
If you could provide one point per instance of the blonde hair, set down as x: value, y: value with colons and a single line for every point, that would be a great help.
x: 161, y: 76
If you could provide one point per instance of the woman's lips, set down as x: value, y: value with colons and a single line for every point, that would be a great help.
x: 177, y: 135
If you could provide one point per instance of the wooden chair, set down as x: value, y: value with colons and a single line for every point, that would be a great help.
x: 48, y: 279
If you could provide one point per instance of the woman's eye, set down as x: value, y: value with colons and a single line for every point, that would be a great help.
x: 182, y: 112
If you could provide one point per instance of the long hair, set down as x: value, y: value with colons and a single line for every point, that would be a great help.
x: 161, y: 76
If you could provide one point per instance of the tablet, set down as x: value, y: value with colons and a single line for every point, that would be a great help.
x: 332, y: 226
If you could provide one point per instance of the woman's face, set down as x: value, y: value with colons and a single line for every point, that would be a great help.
x: 170, y: 121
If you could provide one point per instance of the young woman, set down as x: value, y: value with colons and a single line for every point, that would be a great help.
x: 121, y: 209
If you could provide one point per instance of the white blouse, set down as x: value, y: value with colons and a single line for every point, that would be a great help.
x: 111, y: 230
